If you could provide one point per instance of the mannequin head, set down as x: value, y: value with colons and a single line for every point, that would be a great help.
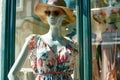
x: 55, y: 16
x: 58, y: 4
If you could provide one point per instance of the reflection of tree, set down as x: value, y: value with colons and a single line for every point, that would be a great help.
x: 104, y: 3
x: 98, y: 3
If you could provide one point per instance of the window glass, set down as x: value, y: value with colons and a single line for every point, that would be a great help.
x: 28, y: 23
x: 17, y: 3
x: 1, y: 37
x: 105, y: 26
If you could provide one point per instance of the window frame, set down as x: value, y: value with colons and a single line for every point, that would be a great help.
x: 20, y: 8
x: 8, y: 37
x: 84, y: 38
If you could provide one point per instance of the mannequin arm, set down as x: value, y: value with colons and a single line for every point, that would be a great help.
x: 18, y: 62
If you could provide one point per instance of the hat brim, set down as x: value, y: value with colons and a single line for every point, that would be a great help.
x: 40, y: 8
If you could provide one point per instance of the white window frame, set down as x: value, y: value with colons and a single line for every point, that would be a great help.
x: 20, y: 8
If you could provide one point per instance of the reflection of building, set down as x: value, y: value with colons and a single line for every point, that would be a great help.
x: 26, y: 23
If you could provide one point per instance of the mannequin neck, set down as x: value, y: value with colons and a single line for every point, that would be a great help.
x: 55, y: 32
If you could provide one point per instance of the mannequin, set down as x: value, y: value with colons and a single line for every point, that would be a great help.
x: 110, y: 52
x: 52, y: 55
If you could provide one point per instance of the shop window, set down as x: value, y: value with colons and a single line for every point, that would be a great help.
x: 28, y: 23
x: 105, y: 26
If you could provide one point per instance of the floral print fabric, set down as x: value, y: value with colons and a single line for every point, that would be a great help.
x: 49, y: 65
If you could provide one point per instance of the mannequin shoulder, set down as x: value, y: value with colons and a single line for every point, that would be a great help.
x: 32, y: 37
x: 72, y: 43
x: 68, y: 39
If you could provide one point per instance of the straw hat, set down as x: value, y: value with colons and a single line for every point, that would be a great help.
x: 40, y: 8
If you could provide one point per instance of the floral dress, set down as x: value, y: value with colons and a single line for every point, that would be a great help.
x: 49, y: 65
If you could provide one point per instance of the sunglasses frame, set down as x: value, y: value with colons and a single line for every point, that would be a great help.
x: 53, y: 12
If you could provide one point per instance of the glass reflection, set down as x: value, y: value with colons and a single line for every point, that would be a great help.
x: 27, y: 23
x: 105, y: 21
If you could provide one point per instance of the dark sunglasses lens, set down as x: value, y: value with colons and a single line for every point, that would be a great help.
x: 56, y: 13
x: 47, y: 13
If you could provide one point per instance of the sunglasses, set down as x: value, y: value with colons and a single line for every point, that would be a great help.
x: 53, y: 12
